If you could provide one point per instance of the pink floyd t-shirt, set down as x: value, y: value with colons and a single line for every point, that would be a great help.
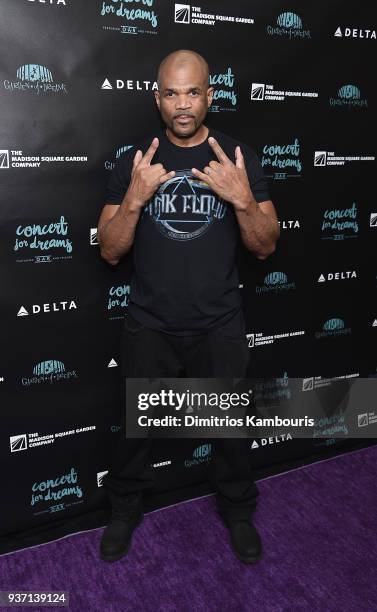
x: 185, y: 280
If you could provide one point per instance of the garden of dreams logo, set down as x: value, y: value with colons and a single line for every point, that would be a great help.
x: 290, y: 25
x: 33, y: 77
x: 349, y: 96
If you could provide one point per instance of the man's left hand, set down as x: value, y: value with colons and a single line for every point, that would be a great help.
x: 228, y: 180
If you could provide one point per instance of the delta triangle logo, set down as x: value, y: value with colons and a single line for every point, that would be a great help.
x: 321, y: 279
x: 374, y: 324
x: 112, y: 364
x: 255, y: 444
x: 338, y: 32
x: 22, y: 312
x: 106, y: 84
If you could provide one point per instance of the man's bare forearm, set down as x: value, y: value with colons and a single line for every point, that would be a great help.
x: 259, y: 232
x: 117, y: 234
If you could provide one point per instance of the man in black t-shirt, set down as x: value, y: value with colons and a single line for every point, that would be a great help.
x: 183, y: 201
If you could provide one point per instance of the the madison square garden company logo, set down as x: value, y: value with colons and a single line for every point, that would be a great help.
x: 206, y: 15
x: 34, y: 78
x: 268, y: 92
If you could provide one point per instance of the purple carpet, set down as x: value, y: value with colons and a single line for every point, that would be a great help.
x: 318, y: 525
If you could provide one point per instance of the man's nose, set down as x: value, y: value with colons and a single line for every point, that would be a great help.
x: 183, y: 101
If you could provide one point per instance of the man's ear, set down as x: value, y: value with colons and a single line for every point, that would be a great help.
x: 210, y: 91
x: 157, y: 97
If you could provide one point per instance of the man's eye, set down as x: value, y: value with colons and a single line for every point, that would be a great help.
x: 195, y: 93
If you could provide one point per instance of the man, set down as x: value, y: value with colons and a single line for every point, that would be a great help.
x: 183, y: 201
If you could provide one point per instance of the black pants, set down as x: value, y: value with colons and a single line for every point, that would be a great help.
x: 221, y: 353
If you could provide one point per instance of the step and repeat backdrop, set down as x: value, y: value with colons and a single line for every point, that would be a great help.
x: 294, y: 82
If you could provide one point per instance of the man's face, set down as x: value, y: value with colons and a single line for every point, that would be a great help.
x: 183, y: 99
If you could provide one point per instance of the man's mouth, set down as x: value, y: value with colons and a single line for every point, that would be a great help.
x: 184, y: 118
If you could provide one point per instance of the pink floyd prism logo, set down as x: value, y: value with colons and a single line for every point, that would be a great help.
x: 185, y: 208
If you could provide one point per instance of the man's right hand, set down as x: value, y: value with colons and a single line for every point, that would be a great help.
x: 145, y: 177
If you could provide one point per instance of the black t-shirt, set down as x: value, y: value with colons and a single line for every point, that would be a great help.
x: 185, y: 279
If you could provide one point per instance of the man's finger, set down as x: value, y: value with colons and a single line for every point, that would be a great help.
x: 137, y: 158
x: 221, y: 156
x: 166, y: 177
x: 214, y: 165
x: 200, y: 175
x: 240, y: 162
x: 151, y: 151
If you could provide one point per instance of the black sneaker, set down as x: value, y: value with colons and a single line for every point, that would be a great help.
x: 126, y: 515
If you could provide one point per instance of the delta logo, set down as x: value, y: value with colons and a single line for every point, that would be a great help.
x: 51, y: 2
x: 35, y: 309
x: 287, y: 224
x: 347, y: 32
x: 334, y: 276
x: 128, y: 84
x: 271, y: 440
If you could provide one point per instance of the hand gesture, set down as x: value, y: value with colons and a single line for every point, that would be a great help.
x: 228, y: 180
x: 146, y: 177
